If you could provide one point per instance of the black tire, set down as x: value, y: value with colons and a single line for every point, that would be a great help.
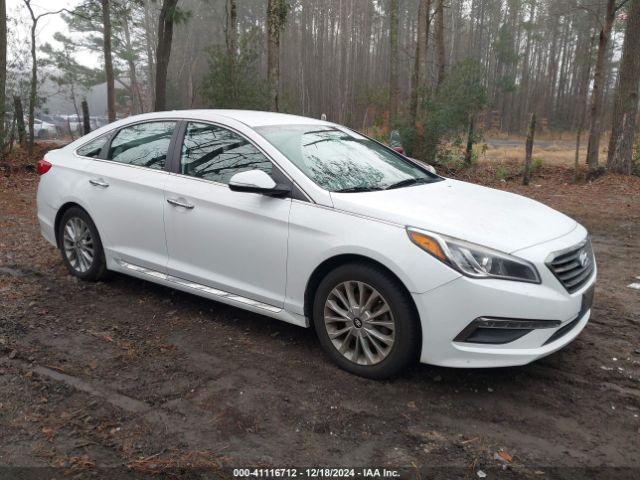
x: 407, y: 338
x: 98, y: 267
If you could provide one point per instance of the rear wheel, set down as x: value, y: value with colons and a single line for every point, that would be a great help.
x: 80, y: 245
x: 366, y: 321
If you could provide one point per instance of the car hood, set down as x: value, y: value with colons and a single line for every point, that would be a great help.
x: 489, y: 217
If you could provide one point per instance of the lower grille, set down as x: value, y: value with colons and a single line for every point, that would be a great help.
x: 573, y: 267
x: 561, y: 332
x: 587, y: 303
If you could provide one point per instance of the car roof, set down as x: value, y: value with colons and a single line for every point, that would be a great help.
x: 251, y: 118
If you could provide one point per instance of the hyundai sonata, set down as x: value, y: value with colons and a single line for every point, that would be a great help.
x: 312, y: 223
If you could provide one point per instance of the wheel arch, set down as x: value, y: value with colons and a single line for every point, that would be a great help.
x: 333, y: 262
x: 56, y: 224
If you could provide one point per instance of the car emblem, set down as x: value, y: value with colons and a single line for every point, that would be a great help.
x: 583, y: 258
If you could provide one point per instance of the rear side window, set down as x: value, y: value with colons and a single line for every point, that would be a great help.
x: 93, y: 148
x: 144, y: 144
x: 215, y: 153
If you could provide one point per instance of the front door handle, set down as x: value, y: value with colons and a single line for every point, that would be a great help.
x: 178, y: 203
x: 99, y: 183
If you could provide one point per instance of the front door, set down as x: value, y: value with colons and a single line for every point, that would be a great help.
x: 231, y: 241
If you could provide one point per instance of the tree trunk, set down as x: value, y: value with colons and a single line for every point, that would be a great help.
x: 19, y: 113
x: 231, y: 33
x: 34, y: 85
x: 150, y: 42
x: 393, y: 58
x: 468, y: 154
x: 576, y: 162
x: 529, y: 150
x: 86, y: 120
x: 163, y: 52
x: 584, y: 91
x: 595, y: 112
x: 625, y: 109
x: 108, y: 63
x: 440, y: 52
x: 524, y: 87
x: 420, y: 62
x: 276, y: 15
x: 3, y: 74
x: 136, y: 97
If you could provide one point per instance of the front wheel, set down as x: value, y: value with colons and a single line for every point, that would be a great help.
x: 80, y: 245
x: 366, y: 321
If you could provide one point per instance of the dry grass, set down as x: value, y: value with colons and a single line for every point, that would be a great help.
x: 176, y: 461
x: 550, y: 152
x: 553, y: 154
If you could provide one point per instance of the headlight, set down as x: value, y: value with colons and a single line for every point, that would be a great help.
x: 474, y: 260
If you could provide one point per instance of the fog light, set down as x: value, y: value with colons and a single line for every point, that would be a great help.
x: 501, y: 330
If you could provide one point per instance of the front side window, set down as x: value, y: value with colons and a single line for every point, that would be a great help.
x: 93, y: 148
x: 144, y: 144
x: 215, y: 153
x: 342, y: 160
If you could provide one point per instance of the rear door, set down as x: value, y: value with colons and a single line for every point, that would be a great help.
x: 235, y: 242
x: 125, y: 193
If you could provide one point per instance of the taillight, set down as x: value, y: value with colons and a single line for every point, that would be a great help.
x: 43, y: 167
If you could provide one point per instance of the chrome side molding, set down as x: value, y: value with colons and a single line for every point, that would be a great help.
x: 197, y: 286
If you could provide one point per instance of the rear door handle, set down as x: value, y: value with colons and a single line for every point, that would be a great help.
x: 99, y: 183
x: 178, y: 203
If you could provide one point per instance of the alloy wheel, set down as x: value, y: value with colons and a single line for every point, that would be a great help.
x: 78, y: 244
x: 359, y: 323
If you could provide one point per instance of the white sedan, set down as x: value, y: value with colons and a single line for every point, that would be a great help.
x: 312, y: 223
x: 43, y: 130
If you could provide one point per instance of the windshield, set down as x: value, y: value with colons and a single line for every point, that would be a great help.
x: 342, y: 160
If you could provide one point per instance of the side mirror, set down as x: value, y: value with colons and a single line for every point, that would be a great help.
x: 257, y: 181
x: 427, y: 166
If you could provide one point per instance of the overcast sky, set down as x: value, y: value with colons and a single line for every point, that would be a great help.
x: 49, y: 24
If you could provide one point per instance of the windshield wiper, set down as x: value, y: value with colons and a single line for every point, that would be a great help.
x: 406, y: 183
x: 360, y: 188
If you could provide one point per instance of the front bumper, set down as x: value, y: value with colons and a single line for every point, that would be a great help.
x: 448, y: 310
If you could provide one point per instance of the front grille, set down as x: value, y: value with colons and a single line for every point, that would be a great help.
x: 574, y: 267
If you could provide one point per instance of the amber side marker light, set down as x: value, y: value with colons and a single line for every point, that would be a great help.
x: 427, y: 243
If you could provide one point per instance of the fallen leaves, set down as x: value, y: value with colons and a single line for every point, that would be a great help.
x: 503, y: 456
x: 155, y: 464
x: 102, y: 335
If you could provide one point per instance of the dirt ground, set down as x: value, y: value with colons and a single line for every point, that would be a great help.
x: 132, y: 377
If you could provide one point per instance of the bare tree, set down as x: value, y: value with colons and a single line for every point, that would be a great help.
x: 163, y: 51
x: 134, y: 85
x: 86, y: 119
x: 108, y: 62
x: 625, y: 110
x: 34, y: 68
x: 440, y: 43
x: 393, y: 58
x: 595, y: 110
x: 19, y: 114
x: 276, y: 16
x: 231, y: 38
x: 526, y: 177
x: 150, y: 43
x: 420, y: 61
